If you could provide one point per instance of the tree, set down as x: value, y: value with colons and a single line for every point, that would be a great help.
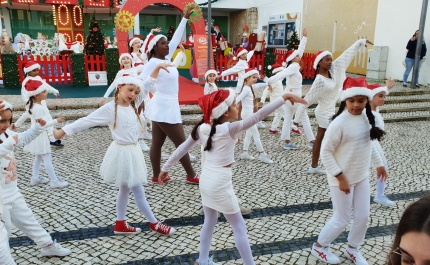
x: 95, y: 39
x: 294, y: 42
x: 170, y: 32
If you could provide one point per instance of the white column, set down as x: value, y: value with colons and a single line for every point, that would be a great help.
x: 136, y: 25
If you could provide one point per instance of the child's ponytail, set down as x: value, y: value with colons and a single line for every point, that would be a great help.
x: 194, y: 131
x: 340, y: 110
x: 116, y: 106
x: 208, y: 146
x: 30, y: 101
x: 375, y: 132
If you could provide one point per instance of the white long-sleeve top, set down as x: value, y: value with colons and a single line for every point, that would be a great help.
x: 137, y: 60
x: 277, y: 91
x: 247, y: 97
x: 210, y: 87
x: 38, y: 111
x: 8, y: 176
x: 38, y: 78
x: 347, y: 148
x: 131, y: 71
x: 326, y: 91
x: 223, y: 141
x: 239, y: 68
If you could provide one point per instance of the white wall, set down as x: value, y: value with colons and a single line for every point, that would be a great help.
x: 276, y: 7
x: 396, y: 22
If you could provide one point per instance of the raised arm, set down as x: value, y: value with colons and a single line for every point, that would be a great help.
x: 343, y: 61
x: 235, y: 69
x: 24, y: 116
x: 249, y: 55
x: 264, y: 95
x: 179, y: 153
x: 302, y: 46
x: 291, y: 69
x: 52, y: 90
x: 29, y: 135
x: 177, y: 37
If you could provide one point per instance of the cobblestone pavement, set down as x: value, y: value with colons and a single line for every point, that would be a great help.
x: 289, y: 206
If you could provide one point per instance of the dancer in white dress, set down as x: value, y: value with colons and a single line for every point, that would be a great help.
x: 211, y: 85
x: 216, y: 188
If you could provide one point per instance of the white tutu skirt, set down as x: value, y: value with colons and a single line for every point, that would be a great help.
x: 164, y: 108
x: 40, y: 145
x: 124, y: 165
x: 323, y: 117
x: 217, y: 190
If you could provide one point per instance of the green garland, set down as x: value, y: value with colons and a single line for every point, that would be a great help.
x: 269, y: 59
x: 81, y: 3
x: 78, y: 66
x: 10, y: 70
x: 9, y: 2
x: 112, y: 64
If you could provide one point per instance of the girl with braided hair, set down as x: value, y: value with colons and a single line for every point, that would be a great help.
x: 124, y: 164
x: 218, y: 132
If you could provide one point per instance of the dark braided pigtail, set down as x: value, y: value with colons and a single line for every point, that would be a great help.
x: 340, y: 110
x: 30, y: 101
x: 289, y: 63
x: 208, y: 146
x: 375, y: 132
x: 5, y: 134
x: 194, y: 134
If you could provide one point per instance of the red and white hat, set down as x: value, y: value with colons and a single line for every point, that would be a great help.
x: 276, y: 68
x: 152, y: 41
x: 130, y: 43
x: 249, y: 72
x: 291, y: 54
x: 376, y: 89
x: 355, y: 87
x: 33, y: 88
x: 210, y: 71
x: 127, y: 79
x: 30, y: 66
x: 240, y: 51
x: 7, y: 106
x: 320, y: 55
x: 125, y: 55
x: 214, y: 105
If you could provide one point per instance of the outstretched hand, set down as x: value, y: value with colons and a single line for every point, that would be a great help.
x: 40, y: 121
x: 294, y: 99
x: 164, y: 66
x: 181, y: 46
x: 189, y: 12
x: 369, y: 42
x: 389, y: 83
x: 305, y: 32
x: 162, y: 177
x: 156, y: 30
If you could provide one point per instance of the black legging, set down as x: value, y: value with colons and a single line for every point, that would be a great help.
x: 175, y: 132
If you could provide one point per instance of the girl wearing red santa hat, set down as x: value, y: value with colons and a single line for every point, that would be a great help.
x: 294, y: 85
x: 36, y: 92
x: 218, y: 132
x: 163, y: 108
x: 378, y: 94
x: 211, y: 83
x: 325, y: 92
x: 124, y: 164
x: 247, y: 100
x: 346, y: 153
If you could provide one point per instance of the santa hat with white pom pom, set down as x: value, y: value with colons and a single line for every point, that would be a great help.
x: 276, y: 68
x: 214, y: 105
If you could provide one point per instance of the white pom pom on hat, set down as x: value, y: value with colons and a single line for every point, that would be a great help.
x: 205, y: 129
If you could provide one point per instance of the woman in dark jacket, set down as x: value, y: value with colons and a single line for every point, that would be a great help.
x: 410, y: 57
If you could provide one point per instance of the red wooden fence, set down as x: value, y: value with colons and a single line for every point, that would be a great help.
x: 307, y: 62
x: 95, y: 63
x: 225, y: 62
x: 54, y: 69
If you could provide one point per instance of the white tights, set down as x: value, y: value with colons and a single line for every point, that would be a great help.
x: 47, y: 160
x: 252, y: 132
x: 239, y: 230
x: 139, y: 198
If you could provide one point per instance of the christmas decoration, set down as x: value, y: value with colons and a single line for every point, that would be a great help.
x: 78, y: 66
x: 294, y: 42
x: 170, y: 33
x: 10, y: 70
x: 196, y: 15
x: 112, y: 65
x: 269, y: 59
x: 124, y: 21
x: 95, y: 44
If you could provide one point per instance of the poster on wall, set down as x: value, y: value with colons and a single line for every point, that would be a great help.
x: 280, y: 28
x: 97, y: 78
x: 201, y: 56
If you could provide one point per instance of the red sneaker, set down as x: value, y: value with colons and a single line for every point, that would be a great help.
x: 273, y: 131
x: 122, y: 228
x: 195, y: 180
x: 155, y: 180
x: 161, y: 228
x: 298, y: 132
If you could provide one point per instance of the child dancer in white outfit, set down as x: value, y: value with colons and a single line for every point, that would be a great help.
x: 211, y: 84
x: 294, y: 85
x: 36, y: 92
x: 216, y: 188
x: 139, y: 59
x: 247, y: 97
x: 15, y: 211
x: 325, y: 91
x: 124, y: 164
x: 378, y: 94
x: 346, y: 153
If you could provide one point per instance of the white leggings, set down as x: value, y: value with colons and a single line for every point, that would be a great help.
x: 288, y: 111
x: 358, y: 201
x: 380, y: 185
x: 239, y: 231
x: 252, y: 132
x: 47, y: 160
x: 5, y: 256
x: 139, y: 198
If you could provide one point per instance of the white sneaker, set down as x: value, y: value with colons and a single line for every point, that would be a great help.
x: 246, y: 155
x: 38, y: 180
x: 260, y: 125
x: 147, y: 136
x: 55, y: 249
x: 192, y: 158
x: 324, y: 254
x: 210, y: 261
x: 355, y: 255
x: 59, y: 184
x: 290, y: 146
x: 144, y: 146
x: 265, y: 158
x: 316, y: 170
x: 383, y: 200
x: 164, y: 156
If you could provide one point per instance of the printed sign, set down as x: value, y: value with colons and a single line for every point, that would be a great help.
x: 201, y: 56
x: 97, y: 78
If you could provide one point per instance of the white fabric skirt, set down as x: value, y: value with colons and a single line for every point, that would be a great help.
x: 217, y: 191
x: 164, y: 108
x: 323, y: 116
x: 124, y: 165
x: 40, y: 145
